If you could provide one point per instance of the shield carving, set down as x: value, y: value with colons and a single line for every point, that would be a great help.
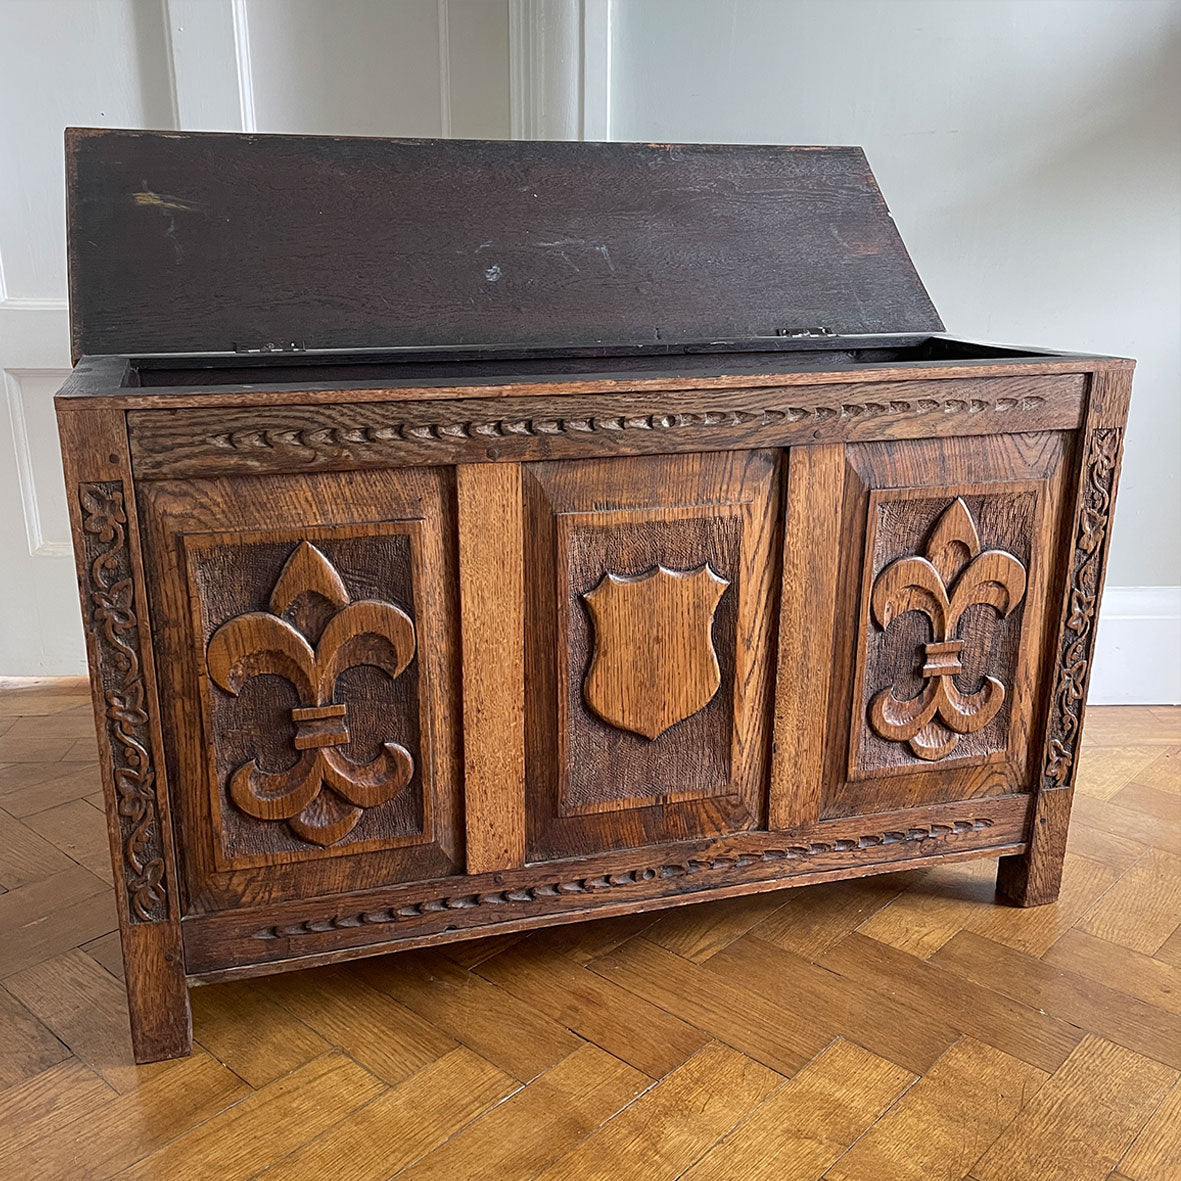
x: 654, y: 662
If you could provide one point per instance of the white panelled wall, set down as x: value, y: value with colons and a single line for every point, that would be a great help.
x: 361, y: 67
x: 1028, y: 150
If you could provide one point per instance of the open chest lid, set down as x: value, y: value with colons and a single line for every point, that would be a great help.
x: 219, y: 243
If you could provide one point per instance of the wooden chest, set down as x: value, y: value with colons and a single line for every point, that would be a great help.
x: 479, y: 536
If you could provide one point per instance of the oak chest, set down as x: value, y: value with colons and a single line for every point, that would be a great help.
x: 479, y: 536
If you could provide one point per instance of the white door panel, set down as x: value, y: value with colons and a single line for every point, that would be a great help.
x: 376, y: 67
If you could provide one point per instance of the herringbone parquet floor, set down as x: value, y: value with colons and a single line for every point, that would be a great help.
x: 897, y: 1027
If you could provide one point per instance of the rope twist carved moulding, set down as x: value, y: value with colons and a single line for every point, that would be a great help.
x: 598, y: 884
x: 321, y: 439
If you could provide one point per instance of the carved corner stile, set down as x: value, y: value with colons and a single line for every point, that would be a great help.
x: 114, y: 626
x: 113, y: 613
x: 1077, y: 639
x: 1034, y: 878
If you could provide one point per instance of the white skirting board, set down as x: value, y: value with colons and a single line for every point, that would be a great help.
x: 1138, y: 647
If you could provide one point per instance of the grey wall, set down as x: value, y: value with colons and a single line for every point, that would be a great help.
x: 1028, y: 148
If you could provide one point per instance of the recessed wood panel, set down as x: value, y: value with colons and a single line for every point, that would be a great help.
x: 903, y: 510
x: 308, y: 677
x: 311, y: 689
x: 649, y: 613
x: 647, y: 632
x: 943, y: 602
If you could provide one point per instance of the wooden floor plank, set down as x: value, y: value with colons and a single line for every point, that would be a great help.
x: 587, y: 941
x: 113, y: 1136
x: 32, y: 746
x: 1122, y: 725
x: 402, y: 1125
x: 47, y: 1101
x: 903, y: 1035
x: 27, y: 1046
x: 946, y: 1121
x: 1151, y: 980
x: 29, y: 788
x: 696, y: 932
x: 255, y: 1036
x: 268, y: 1123
x: 1117, y: 853
x: 79, y: 831
x: 106, y: 950
x: 1113, y: 817
x: 469, y: 952
x: 70, y: 724
x: 902, y: 1065
x: 923, y: 918
x: 86, y: 1007
x: 1164, y: 772
x: 1155, y: 1154
x: 1080, y: 1122
x: 26, y: 856
x: 723, y: 1008
x: 1087, y: 1003
x: 813, y: 918
x: 1102, y: 771
x: 595, y: 1008
x: 949, y: 899
x: 807, y: 1124
x: 383, y: 1036
x: 672, y: 1125
x: 14, y: 704
x: 1151, y: 801
x: 495, y: 1024
x: 1019, y: 1030
x: 52, y: 916
x: 1169, y: 952
x: 1142, y: 909
x: 1032, y: 929
x: 536, y: 1125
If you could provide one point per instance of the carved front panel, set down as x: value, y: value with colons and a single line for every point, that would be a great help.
x: 918, y: 604
x: 942, y: 625
x: 650, y: 608
x: 648, y: 621
x: 307, y: 650
x: 311, y: 689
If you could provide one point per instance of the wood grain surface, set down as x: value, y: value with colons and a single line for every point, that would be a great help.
x: 492, y: 612
x: 418, y: 242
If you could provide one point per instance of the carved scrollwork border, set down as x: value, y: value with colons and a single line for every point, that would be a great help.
x: 1078, y: 631
x: 110, y: 594
x: 598, y: 884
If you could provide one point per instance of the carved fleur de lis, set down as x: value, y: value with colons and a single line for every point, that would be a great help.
x: 952, y: 576
x: 367, y: 632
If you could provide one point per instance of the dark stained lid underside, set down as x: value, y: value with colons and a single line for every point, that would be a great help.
x: 182, y: 243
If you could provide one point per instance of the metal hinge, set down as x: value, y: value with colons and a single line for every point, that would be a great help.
x: 293, y: 347
x: 804, y: 332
